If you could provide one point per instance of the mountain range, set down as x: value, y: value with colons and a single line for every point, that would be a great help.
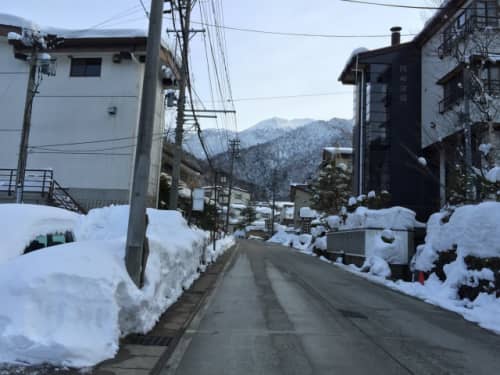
x: 290, y: 148
x: 262, y: 132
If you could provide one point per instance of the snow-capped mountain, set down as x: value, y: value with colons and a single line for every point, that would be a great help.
x: 262, y: 132
x: 295, y: 155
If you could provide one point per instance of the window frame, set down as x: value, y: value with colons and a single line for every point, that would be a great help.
x: 85, y: 70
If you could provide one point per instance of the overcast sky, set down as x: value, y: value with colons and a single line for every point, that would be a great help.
x: 260, y: 65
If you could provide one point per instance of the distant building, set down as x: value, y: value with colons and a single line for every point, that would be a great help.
x: 238, y: 195
x: 387, y: 124
x: 341, y: 155
x: 301, y: 196
x: 85, y: 118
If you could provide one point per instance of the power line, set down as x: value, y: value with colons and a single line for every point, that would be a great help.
x: 295, y: 34
x: 290, y: 96
x: 105, y: 140
x: 391, y: 5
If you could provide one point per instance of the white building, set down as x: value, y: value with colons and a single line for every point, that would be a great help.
x: 463, y: 34
x: 239, y: 196
x: 85, y: 118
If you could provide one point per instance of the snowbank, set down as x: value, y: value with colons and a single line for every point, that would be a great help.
x: 472, y: 230
x: 484, y: 310
x: 388, y: 218
x: 21, y: 224
x: 68, y: 305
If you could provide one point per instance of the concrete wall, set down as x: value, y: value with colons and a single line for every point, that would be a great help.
x: 75, y: 109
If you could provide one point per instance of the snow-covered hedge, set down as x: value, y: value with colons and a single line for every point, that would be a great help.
x: 70, y: 304
x: 471, y: 230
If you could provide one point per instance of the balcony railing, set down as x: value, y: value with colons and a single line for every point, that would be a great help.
x: 456, y: 34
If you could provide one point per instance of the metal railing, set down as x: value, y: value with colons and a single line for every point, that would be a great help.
x: 61, y: 198
x: 39, y: 181
x: 35, y: 181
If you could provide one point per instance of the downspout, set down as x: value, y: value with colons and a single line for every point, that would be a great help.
x: 361, y: 124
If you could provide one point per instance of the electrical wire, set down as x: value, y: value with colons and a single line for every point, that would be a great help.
x: 391, y: 5
x: 295, y: 34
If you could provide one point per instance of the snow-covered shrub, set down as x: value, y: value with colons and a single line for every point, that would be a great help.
x: 376, y: 266
x: 459, y: 246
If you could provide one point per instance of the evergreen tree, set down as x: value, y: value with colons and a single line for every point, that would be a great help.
x: 332, y: 188
x: 249, y: 215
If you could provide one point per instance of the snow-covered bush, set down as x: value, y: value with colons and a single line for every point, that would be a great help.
x: 463, y: 248
x: 376, y: 266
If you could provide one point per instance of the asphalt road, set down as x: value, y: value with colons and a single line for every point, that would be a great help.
x: 277, y: 311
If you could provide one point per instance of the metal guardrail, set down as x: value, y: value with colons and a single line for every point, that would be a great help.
x: 40, y: 181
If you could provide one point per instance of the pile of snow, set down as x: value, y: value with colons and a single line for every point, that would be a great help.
x: 376, y: 266
x: 307, y: 212
x: 493, y: 175
x: 472, y: 230
x: 388, y: 218
x: 68, y: 305
x: 333, y: 221
x: 21, y: 224
x: 283, y: 237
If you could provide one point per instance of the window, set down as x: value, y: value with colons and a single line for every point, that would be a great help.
x: 453, y: 91
x: 85, y: 67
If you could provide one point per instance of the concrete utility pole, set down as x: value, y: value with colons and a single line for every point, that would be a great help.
x: 134, y: 256
x: 25, y: 133
x: 234, y: 148
x: 181, y: 102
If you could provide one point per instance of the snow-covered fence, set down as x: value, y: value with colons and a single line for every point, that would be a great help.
x: 363, y: 243
x: 388, y: 234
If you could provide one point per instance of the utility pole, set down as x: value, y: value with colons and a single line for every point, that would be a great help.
x: 181, y: 102
x: 274, y: 200
x: 234, y: 148
x: 25, y: 134
x: 37, y: 41
x: 135, y: 248
x: 469, y: 196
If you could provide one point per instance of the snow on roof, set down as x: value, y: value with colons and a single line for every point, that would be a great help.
x: 15, y: 21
